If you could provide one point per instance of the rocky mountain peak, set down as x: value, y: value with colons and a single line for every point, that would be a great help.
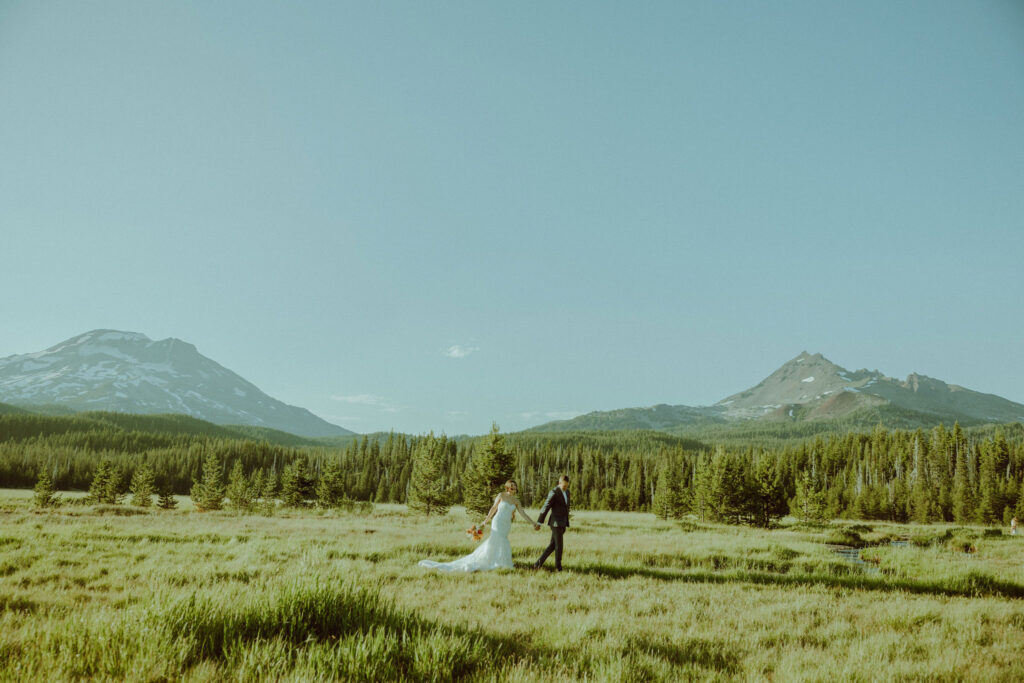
x: 799, y: 380
x: 811, y: 387
x: 128, y: 372
x: 917, y: 383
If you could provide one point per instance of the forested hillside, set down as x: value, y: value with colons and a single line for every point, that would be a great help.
x: 777, y: 433
x: 938, y: 474
x: 8, y: 409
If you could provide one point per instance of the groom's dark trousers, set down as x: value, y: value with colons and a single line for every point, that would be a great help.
x: 558, y: 505
x: 556, y: 545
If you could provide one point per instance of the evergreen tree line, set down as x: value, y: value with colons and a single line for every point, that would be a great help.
x: 894, y: 475
x: 936, y: 475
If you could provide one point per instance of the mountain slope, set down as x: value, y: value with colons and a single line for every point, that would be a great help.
x: 660, y: 417
x: 108, y: 370
x: 804, y: 379
x: 22, y: 425
x: 810, y: 388
x: 6, y: 409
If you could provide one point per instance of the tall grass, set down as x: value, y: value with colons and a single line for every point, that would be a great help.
x: 210, y: 597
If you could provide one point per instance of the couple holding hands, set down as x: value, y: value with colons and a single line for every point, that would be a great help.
x: 496, y: 551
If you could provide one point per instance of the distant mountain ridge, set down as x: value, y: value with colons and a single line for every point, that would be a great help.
x: 810, y: 387
x: 111, y: 370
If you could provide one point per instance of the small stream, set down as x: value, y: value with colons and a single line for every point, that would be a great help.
x: 852, y: 555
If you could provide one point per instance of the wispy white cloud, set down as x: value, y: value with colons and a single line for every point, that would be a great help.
x: 371, y: 402
x: 457, y: 351
x: 458, y: 413
x: 361, y: 399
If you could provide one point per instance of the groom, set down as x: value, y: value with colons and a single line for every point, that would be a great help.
x: 558, y: 505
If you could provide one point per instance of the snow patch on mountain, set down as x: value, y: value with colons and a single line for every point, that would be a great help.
x: 129, y: 372
x: 836, y: 393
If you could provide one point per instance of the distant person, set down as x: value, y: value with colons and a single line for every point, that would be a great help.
x: 496, y: 551
x: 558, y: 505
x: 1013, y: 526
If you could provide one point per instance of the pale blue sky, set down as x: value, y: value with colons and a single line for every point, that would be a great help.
x: 601, y: 205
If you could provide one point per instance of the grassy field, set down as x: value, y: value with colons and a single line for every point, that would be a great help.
x: 96, y: 593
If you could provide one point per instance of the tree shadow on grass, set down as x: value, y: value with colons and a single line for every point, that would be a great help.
x: 973, y: 584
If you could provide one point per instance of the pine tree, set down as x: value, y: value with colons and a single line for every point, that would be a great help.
x: 990, y: 506
x: 268, y: 494
x: 732, y: 491
x: 165, y: 497
x: 143, y: 486
x: 366, y: 485
x: 898, y: 500
x: 923, y: 508
x: 720, y: 491
x: 208, y: 494
x: 256, y: 483
x: 963, y: 495
x: 668, y: 495
x: 45, y: 496
x: 104, y: 486
x: 866, y: 505
x: 702, y: 502
x: 296, y: 486
x: 239, y: 492
x: 491, y: 466
x: 427, y: 489
x: 330, y: 489
x: 809, y: 503
x: 118, y: 485
x: 767, y: 500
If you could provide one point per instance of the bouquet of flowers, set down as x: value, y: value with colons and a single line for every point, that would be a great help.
x: 475, y: 532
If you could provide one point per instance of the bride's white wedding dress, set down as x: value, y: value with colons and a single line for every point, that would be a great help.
x: 495, y: 552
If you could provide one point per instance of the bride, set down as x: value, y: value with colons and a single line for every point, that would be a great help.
x: 495, y: 552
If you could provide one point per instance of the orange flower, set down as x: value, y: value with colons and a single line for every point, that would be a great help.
x: 474, y: 533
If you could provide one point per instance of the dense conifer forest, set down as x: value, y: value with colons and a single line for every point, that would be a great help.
x: 940, y: 473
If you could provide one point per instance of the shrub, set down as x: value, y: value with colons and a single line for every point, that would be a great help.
x: 845, y: 537
x: 961, y: 545
x: 165, y: 498
x: 45, y: 496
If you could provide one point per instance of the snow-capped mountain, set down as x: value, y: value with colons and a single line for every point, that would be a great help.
x: 129, y: 372
x: 811, y: 387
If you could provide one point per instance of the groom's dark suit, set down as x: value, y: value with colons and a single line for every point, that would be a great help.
x: 558, y: 505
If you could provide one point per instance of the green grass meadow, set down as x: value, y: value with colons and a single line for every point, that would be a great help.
x: 117, y: 593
